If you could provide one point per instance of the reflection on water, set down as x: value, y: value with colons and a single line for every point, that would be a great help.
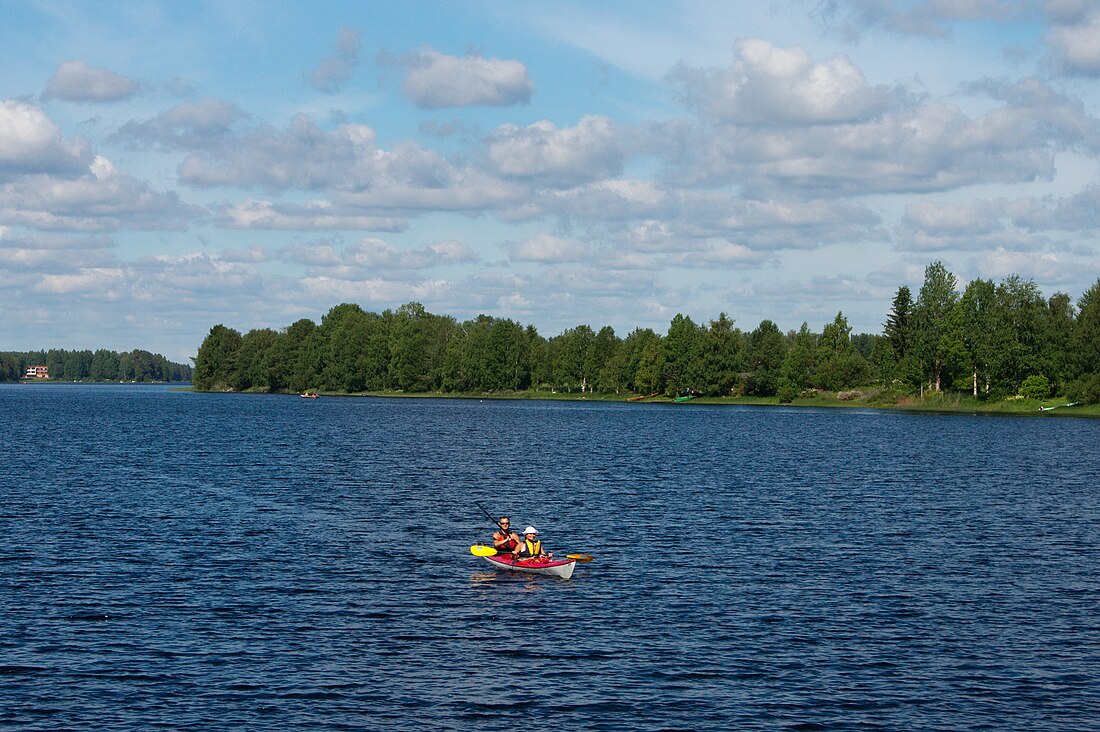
x: 529, y: 583
x: 486, y: 578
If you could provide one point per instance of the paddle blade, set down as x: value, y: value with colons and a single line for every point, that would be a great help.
x: 480, y: 550
x: 579, y: 557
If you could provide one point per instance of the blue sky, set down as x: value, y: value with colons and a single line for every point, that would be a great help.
x: 168, y: 166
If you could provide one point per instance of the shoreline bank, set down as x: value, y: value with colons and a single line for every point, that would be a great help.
x: 938, y: 404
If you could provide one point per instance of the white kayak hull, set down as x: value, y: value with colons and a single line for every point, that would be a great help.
x: 555, y: 568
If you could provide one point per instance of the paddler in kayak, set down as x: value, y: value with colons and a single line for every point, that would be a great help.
x: 531, y: 546
x: 504, y: 540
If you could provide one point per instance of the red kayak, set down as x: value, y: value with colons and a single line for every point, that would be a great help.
x: 555, y: 567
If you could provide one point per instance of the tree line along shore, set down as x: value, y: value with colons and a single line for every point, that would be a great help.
x: 86, y: 365
x: 989, y: 342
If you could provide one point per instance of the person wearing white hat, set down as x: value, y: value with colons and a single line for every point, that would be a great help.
x: 531, y: 546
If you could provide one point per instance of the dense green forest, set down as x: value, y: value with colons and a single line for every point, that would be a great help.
x: 101, y: 365
x: 992, y: 340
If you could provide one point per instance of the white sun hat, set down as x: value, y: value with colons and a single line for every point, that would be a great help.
x: 530, y: 530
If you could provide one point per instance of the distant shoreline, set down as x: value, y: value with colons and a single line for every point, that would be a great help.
x: 943, y: 403
x: 57, y: 382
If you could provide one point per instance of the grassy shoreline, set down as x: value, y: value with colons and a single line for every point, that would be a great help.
x: 871, y: 398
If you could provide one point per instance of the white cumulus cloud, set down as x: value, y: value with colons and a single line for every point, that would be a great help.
x: 75, y: 81
x: 91, y: 280
x: 1074, y: 36
x: 361, y: 178
x: 266, y: 215
x: 434, y: 80
x: 190, y: 125
x: 103, y: 199
x: 548, y: 250
x: 769, y: 84
x: 923, y: 146
x: 371, y: 255
x: 303, y: 156
x: 1047, y: 267
x: 30, y: 142
x: 542, y: 152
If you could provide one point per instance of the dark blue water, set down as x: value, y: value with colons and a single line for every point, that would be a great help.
x: 179, y: 560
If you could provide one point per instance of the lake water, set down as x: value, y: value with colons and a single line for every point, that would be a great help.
x: 180, y: 560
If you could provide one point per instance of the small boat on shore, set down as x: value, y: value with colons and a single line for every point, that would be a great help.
x: 554, y: 568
